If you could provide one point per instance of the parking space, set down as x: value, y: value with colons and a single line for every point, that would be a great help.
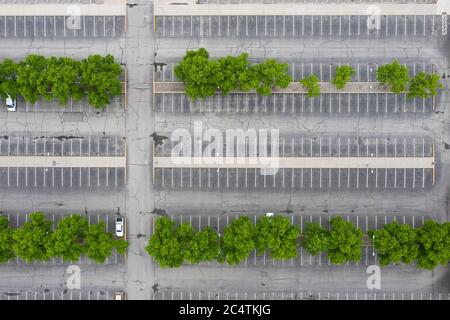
x: 171, y: 294
x: 295, y: 103
x: 62, y: 178
x: 51, y: 294
x: 18, y: 219
x: 364, y: 71
x: 308, y: 178
x: 289, y: 26
x: 300, y: 103
x: 82, y: 106
x: 365, y: 223
x: 61, y: 26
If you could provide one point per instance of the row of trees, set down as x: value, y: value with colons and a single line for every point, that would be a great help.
x: 393, y: 75
x: 73, y: 236
x: 203, y: 76
x: 96, y: 77
x: 173, y: 244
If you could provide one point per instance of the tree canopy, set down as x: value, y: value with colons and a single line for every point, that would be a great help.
x: 68, y: 239
x: 203, y: 76
x: 315, y: 238
x: 96, y: 77
x: 311, y: 83
x: 342, y: 76
x: 238, y: 240
x: 433, y: 240
x: 424, y: 85
x: 278, y: 236
x: 395, y: 243
x: 395, y: 75
x: 344, y: 242
x: 32, y: 239
x: 6, y: 240
x: 100, y: 243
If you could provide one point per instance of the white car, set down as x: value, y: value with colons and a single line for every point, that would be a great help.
x: 11, y: 104
x: 120, y: 295
x: 120, y: 225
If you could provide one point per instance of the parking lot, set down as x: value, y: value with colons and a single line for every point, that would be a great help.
x: 289, y: 26
x: 307, y: 178
x: 116, y: 106
x: 297, y: 295
x: 61, y: 26
x: 57, y: 178
x: 18, y: 219
x: 300, y: 103
x: 364, y: 71
x: 365, y: 223
x: 48, y: 294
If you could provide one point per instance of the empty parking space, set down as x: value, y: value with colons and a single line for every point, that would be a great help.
x: 169, y: 294
x: 18, y: 219
x: 209, y: 178
x: 61, y: 26
x: 58, y: 177
x: 287, y: 26
x: 59, y: 294
x: 295, y: 103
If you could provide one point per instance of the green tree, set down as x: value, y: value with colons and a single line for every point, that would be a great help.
x: 267, y: 75
x: 395, y: 243
x: 202, y: 77
x: 165, y: 244
x: 311, y: 83
x: 204, y: 246
x: 6, y: 240
x: 100, y: 79
x: 231, y: 69
x: 8, y: 79
x: 63, y: 77
x: 344, y: 242
x: 395, y: 75
x: 32, y: 239
x: 424, y: 85
x: 31, y: 78
x: 277, y: 235
x: 68, y: 239
x: 343, y: 75
x: 433, y: 240
x: 100, y: 243
x: 315, y: 238
x: 238, y: 240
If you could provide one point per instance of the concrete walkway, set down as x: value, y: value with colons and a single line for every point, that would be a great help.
x: 294, y: 87
x: 295, y: 162
x: 61, y: 162
x: 191, y: 8
x: 109, y: 8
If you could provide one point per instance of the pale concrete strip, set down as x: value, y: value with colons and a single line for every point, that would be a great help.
x: 190, y: 8
x: 110, y: 8
x: 62, y: 162
x: 294, y: 162
x: 294, y: 87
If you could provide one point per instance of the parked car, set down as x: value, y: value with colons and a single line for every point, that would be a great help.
x: 120, y: 226
x: 120, y: 295
x: 11, y: 104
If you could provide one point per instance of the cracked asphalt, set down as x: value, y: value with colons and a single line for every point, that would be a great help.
x: 139, y: 49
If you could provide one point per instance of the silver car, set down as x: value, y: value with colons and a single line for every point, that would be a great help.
x: 119, y: 226
x: 11, y: 104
